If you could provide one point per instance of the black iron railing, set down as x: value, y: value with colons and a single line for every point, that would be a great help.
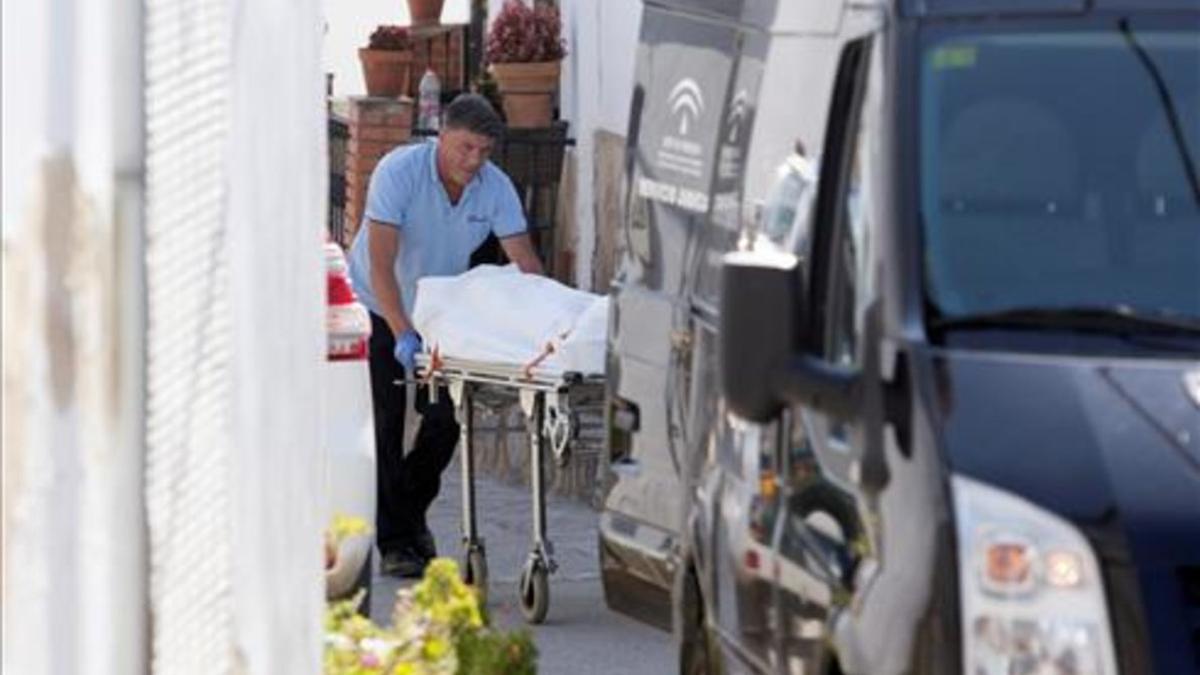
x: 533, y: 159
x: 339, y: 138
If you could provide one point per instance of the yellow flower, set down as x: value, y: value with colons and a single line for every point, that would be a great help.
x: 436, y: 648
x: 347, y: 526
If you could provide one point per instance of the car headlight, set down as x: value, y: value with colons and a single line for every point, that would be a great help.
x: 1031, y: 592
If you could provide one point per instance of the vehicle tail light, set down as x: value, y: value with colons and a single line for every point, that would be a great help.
x: 347, y: 323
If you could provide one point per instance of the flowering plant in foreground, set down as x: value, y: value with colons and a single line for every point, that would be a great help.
x: 342, y: 528
x: 437, y: 629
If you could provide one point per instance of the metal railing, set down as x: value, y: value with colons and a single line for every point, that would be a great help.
x: 339, y: 138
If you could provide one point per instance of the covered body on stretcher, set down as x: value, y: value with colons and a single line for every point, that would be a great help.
x: 511, y: 336
x: 496, y: 331
x: 500, y: 320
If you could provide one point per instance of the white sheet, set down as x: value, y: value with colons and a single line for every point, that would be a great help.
x: 499, y: 315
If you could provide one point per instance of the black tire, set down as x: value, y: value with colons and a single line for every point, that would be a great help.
x: 534, y: 592
x: 363, y: 583
x: 475, y: 573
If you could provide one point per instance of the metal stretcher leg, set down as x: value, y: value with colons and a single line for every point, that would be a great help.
x: 534, y: 589
x: 552, y: 423
x: 474, y: 565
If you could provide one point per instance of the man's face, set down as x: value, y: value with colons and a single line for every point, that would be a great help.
x: 461, y: 153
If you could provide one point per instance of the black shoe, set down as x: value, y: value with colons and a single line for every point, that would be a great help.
x: 424, y: 546
x: 405, y: 562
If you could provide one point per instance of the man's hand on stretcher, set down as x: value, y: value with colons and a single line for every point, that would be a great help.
x: 407, y: 346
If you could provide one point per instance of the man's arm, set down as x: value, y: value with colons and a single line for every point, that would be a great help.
x: 519, y: 249
x: 384, y: 246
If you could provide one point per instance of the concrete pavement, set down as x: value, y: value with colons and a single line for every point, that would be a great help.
x: 580, y: 635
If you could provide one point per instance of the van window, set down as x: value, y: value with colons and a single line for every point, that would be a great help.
x: 1058, y: 170
x: 838, y: 231
x: 841, y: 246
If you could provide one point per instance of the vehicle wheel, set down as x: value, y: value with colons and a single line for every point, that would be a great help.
x: 475, y: 573
x: 534, y: 592
x: 363, y: 583
x: 696, y: 656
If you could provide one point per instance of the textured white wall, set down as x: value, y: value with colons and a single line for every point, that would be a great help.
x: 75, y: 334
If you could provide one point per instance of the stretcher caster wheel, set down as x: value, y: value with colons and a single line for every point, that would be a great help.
x: 534, y: 592
x: 475, y: 573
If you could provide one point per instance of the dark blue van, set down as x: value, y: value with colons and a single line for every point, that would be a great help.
x: 935, y: 408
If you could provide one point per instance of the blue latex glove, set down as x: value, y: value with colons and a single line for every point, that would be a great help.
x: 406, y: 349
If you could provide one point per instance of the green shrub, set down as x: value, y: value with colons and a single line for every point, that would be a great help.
x: 492, y: 653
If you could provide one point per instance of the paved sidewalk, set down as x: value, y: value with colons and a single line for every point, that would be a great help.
x: 580, y: 635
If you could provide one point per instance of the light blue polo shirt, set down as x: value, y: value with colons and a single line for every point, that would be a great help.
x: 436, y: 238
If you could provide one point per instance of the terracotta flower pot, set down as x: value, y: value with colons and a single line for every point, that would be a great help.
x: 527, y: 92
x: 386, y: 71
x: 425, y: 12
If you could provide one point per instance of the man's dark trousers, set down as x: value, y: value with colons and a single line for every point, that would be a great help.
x: 406, y: 486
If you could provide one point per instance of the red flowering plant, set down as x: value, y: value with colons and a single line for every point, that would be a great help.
x: 390, y: 38
x: 523, y: 34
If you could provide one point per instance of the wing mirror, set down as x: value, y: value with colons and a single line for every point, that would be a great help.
x: 762, y: 364
x: 759, y: 322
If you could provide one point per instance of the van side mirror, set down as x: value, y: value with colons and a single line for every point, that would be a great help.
x: 762, y: 365
x: 758, y: 330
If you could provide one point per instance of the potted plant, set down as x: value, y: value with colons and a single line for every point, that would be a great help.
x: 386, y: 61
x: 525, y: 48
x: 425, y: 12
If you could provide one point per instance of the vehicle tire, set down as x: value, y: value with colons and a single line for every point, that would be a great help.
x: 364, y: 583
x: 696, y: 653
x: 534, y: 591
x: 475, y: 574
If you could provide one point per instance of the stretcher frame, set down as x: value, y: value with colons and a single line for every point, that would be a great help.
x: 548, y: 400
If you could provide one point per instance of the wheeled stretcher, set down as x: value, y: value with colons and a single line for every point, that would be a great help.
x: 551, y: 402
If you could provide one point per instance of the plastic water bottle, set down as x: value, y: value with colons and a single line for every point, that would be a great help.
x: 429, y: 101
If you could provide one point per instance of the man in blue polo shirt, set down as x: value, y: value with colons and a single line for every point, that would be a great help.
x: 429, y: 206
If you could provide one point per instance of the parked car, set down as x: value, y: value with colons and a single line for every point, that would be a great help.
x: 349, y: 429
x: 951, y: 425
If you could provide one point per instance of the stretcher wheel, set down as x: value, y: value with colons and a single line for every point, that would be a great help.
x: 534, y: 592
x: 475, y: 573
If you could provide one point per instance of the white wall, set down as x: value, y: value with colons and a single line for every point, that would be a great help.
x: 276, y: 186
x: 597, y: 87
x: 23, y: 84
x: 76, y: 440
x: 348, y: 24
x: 74, y: 564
